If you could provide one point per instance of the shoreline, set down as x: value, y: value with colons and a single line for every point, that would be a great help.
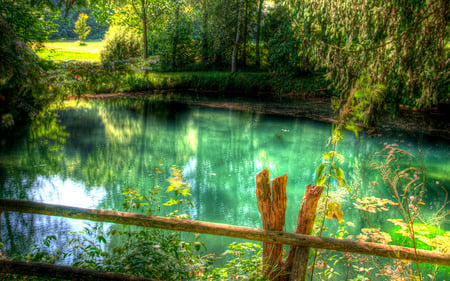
x: 432, y: 122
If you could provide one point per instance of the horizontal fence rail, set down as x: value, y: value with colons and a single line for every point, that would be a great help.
x: 64, y: 272
x: 275, y: 237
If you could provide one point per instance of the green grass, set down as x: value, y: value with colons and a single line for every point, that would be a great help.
x: 71, y: 50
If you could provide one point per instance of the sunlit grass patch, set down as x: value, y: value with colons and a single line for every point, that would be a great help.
x: 71, y: 50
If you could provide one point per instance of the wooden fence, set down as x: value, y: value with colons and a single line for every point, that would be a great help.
x: 255, y: 234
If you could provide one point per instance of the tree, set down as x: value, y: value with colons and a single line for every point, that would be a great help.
x: 29, y: 21
x: 282, y: 45
x: 25, y: 86
x: 81, y: 27
x: 22, y: 80
x: 236, y: 42
x: 148, y: 11
x: 258, y: 33
x: 66, y: 25
x: 400, y: 44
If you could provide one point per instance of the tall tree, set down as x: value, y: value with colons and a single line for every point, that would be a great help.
x: 205, y: 31
x: 258, y: 33
x: 236, y: 42
x: 147, y: 10
x: 175, y: 35
x: 245, y: 38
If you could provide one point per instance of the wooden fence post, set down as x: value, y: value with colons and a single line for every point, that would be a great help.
x: 297, y: 261
x: 273, y: 210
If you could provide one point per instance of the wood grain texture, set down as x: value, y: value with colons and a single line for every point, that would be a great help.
x: 255, y: 234
x: 297, y: 261
x: 273, y: 211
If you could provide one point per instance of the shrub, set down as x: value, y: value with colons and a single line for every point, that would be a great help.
x: 120, y: 44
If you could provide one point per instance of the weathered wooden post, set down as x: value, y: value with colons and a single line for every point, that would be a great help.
x: 273, y: 210
x: 272, y: 206
x: 297, y: 261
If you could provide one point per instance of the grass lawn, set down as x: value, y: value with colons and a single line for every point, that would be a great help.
x: 71, y: 50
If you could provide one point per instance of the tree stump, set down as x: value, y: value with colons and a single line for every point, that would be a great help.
x: 273, y: 212
x: 297, y: 261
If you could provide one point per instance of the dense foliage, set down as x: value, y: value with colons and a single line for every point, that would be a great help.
x: 120, y: 44
x: 25, y: 87
x: 400, y: 44
x: 282, y: 45
x: 30, y: 22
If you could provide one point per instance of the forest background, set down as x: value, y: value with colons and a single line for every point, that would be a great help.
x: 400, y: 47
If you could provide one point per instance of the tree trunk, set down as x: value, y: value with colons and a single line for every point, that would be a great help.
x: 144, y: 33
x: 244, y: 54
x: 175, y: 36
x: 205, y: 43
x: 258, y: 33
x: 273, y: 217
x: 297, y: 261
x: 236, y: 42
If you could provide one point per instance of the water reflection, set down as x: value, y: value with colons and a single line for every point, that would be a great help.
x: 66, y: 192
x: 111, y: 146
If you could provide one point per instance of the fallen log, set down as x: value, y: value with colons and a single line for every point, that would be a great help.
x: 275, y: 237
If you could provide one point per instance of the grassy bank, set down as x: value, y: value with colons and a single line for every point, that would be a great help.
x: 79, y: 71
x: 81, y: 78
x: 71, y: 50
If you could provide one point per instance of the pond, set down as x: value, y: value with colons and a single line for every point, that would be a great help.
x: 96, y: 151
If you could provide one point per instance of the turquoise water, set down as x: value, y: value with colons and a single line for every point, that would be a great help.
x: 98, y: 150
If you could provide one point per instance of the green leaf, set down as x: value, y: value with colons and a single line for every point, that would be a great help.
x: 320, y: 179
x: 327, y: 155
x: 185, y: 192
x: 355, y: 129
x: 344, y: 183
x: 339, y: 173
x: 171, y: 202
x: 330, y: 154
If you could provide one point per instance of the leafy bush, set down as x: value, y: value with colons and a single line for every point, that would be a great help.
x: 120, y: 44
x: 244, y: 262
